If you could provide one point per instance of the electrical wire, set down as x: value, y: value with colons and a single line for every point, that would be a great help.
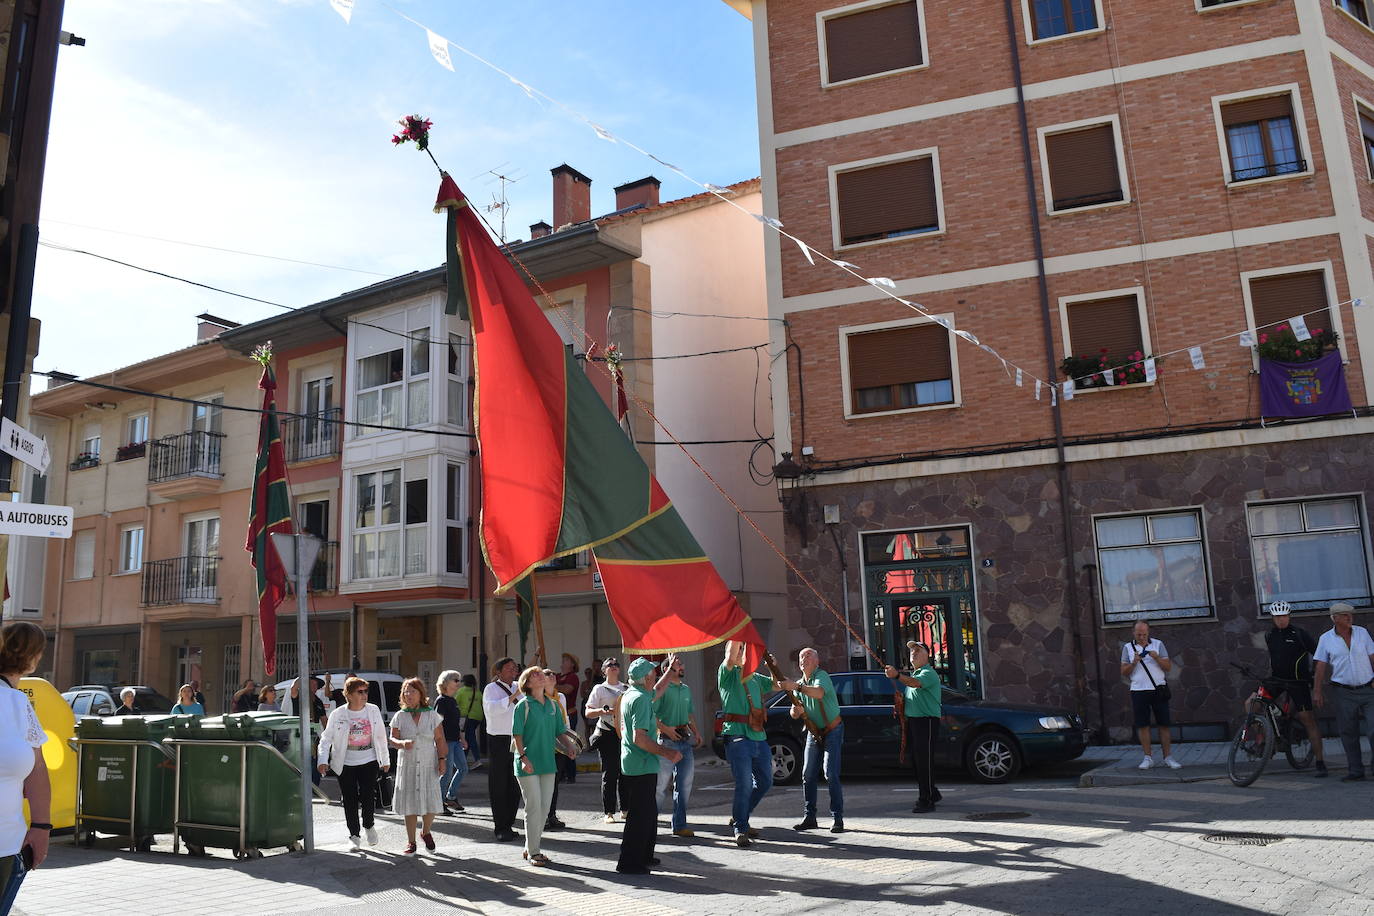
x: 657, y: 314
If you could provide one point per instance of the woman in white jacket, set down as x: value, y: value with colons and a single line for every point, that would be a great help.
x: 353, y: 745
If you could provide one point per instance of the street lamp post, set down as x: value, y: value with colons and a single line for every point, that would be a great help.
x: 298, y: 553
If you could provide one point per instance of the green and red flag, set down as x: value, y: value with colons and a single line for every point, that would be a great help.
x: 560, y: 476
x: 269, y: 513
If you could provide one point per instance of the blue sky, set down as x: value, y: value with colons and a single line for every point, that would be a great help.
x: 264, y: 126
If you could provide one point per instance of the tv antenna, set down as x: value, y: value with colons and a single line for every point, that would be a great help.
x: 499, y: 202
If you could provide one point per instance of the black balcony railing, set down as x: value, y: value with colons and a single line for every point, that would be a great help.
x: 194, y: 452
x: 1270, y: 170
x: 318, y: 435
x: 180, y: 580
x: 325, y: 576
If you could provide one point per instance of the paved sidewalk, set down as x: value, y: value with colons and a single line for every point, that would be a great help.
x: 1120, y: 763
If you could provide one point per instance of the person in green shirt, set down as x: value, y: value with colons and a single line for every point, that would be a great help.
x: 746, y: 748
x: 922, y: 709
x: 537, y: 722
x: 821, y: 708
x: 469, y: 700
x: 677, y: 729
x: 639, y: 770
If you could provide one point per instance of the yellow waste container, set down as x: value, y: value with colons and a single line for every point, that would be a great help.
x: 60, y: 725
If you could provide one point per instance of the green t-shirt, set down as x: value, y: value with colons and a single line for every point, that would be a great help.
x: 923, y: 700
x: 538, y: 722
x: 469, y: 700
x: 674, y: 708
x: 637, y: 712
x: 823, y: 711
x: 732, y: 698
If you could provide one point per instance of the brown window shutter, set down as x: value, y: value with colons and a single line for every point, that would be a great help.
x: 873, y: 41
x: 882, y: 199
x: 900, y: 356
x: 1083, y: 166
x: 1110, y: 324
x: 1276, y: 299
x: 1248, y: 111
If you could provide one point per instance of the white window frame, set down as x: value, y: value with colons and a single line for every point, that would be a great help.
x: 1363, y: 105
x: 404, y: 339
x: 1332, y: 303
x: 456, y: 382
x: 1359, y: 499
x: 87, y: 439
x: 1197, y: 5
x: 86, y: 536
x: 128, y: 427
x: 833, y: 172
x: 460, y: 523
x: 845, y: 331
x: 1299, y: 133
x: 1146, y: 345
x: 1206, y: 565
x: 210, y: 411
x: 1067, y: 128
x: 840, y: 11
x: 355, y: 530
x: 1028, y: 20
x: 1353, y: 18
x: 126, y: 534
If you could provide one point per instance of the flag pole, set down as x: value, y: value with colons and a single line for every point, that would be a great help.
x: 306, y: 695
x: 539, y: 630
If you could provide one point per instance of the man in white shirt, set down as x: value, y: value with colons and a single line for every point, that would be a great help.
x: 1146, y: 662
x: 498, y: 706
x: 1347, y: 652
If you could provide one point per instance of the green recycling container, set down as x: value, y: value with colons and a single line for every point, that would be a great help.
x: 126, y: 778
x: 234, y: 792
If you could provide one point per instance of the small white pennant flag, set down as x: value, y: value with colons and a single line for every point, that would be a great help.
x: 943, y: 322
x: 1069, y: 389
x: 1054, y: 395
x: 1109, y: 376
x: 845, y: 265
x: 1018, y: 377
x: 967, y: 336
x: 1150, y: 373
x: 1357, y: 302
x: 767, y: 220
x: 344, y: 8
x: 713, y: 188
x: 602, y: 132
x: 438, y: 46
x: 528, y: 90
x: 1299, y: 326
x: 886, y: 282
x: 1247, y: 338
x: 1195, y: 354
x: 1037, y: 389
x: 805, y: 250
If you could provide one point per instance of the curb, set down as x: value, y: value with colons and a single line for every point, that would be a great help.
x: 1096, y: 779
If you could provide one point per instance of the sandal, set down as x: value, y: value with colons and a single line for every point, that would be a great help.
x: 540, y: 860
x: 525, y: 854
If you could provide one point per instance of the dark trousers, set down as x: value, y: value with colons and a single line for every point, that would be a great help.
x: 557, y: 778
x: 358, y: 784
x: 641, y: 822
x: 920, y: 748
x: 608, y: 747
x: 502, y: 788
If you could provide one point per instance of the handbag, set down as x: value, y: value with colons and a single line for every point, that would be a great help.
x: 1161, y: 690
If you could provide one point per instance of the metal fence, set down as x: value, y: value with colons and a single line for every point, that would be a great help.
x: 324, y: 577
x: 180, y: 580
x: 184, y: 454
x: 318, y: 435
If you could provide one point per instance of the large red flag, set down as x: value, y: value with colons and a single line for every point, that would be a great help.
x: 270, y: 512
x: 559, y: 475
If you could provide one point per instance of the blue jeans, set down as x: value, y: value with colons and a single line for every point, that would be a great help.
x: 470, y: 733
x: 811, y: 768
x: 682, y: 785
x: 10, y: 889
x: 751, y: 765
x: 457, y: 769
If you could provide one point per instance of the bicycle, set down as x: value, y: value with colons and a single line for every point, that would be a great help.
x: 1268, y: 723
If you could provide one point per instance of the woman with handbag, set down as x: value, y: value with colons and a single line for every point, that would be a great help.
x: 1146, y: 662
x: 353, y: 745
x: 603, y: 705
x: 418, y: 732
x: 535, y: 727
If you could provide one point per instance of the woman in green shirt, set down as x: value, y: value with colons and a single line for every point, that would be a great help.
x: 469, y: 700
x: 537, y: 722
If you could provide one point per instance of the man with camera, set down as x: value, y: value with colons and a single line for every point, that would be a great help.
x: 677, y: 730
x: 1146, y: 662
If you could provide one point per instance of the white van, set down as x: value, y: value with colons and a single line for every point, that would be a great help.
x: 384, y: 689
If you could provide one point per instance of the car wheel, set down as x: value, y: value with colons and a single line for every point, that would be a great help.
x: 787, y: 761
x: 992, y: 757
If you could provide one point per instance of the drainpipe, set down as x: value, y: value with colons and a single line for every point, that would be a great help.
x: 1061, y: 464
x: 1103, y: 735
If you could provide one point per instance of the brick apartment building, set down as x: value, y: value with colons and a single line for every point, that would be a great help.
x: 1067, y: 178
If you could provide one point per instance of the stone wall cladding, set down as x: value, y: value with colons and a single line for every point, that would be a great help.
x: 1025, y: 635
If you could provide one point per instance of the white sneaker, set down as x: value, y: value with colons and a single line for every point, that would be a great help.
x: 371, y: 835
x: 609, y: 819
x: 1146, y: 763
x: 355, y: 843
x: 1173, y: 764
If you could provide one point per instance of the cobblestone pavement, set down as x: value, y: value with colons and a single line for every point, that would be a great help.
x: 1040, y: 845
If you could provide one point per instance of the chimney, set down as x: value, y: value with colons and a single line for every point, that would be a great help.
x: 210, y: 326
x: 572, y: 196
x: 540, y: 229
x: 644, y: 191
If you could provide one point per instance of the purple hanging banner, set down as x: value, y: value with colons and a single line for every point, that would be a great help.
x: 1310, y: 389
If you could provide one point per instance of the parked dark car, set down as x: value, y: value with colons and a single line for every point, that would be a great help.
x: 99, y: 700
x: 988, y: 741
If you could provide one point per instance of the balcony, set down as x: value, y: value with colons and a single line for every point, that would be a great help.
x: 184, y: 465
x: 83, y: 461
x: 324, y: 578
x: 181, y: 581
x: 310, y: 438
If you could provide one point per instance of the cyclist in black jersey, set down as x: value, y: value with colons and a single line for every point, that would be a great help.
x: 1290, y: 661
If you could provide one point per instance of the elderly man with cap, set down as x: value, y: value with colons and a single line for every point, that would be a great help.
x: 1290, y: 661
x: 1347, y: 653
x: 639, y: 749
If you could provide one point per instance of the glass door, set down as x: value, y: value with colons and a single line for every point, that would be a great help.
x: 317, y: 402
x: 202, y: 558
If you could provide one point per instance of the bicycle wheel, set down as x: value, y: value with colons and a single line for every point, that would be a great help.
x: 1297, y: 747
x: 1251, y: 749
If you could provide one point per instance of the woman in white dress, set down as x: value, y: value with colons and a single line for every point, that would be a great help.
x: 419, y: 733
